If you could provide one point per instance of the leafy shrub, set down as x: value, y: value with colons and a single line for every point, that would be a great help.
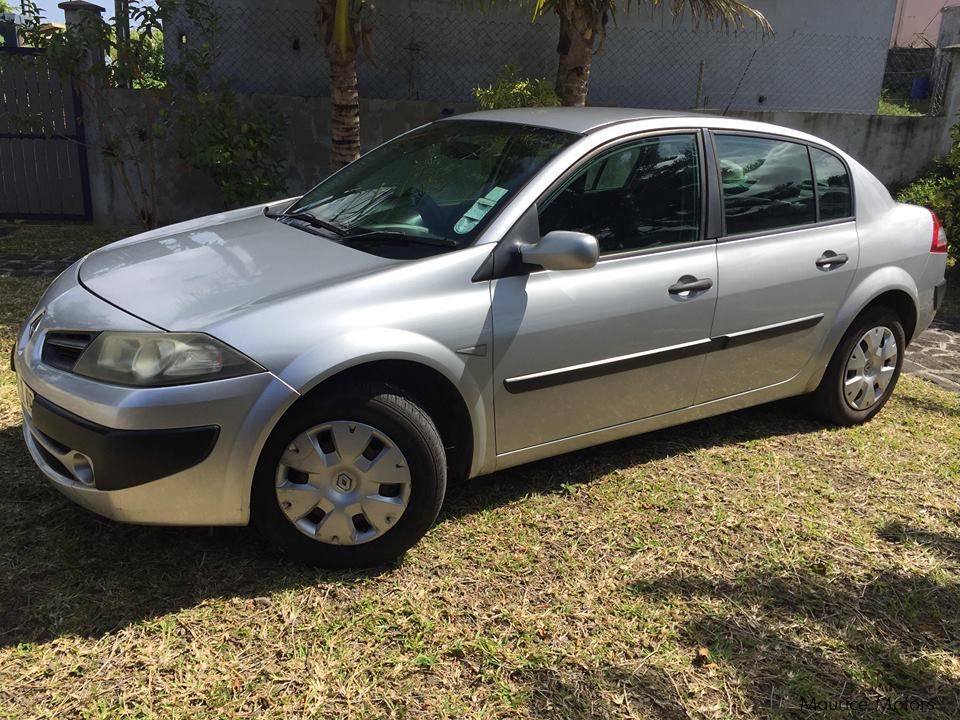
x: 940, y: 191
x: 234, y: 145
x: 902, y: 106
x: 183, y: 113
x: 512, y: 91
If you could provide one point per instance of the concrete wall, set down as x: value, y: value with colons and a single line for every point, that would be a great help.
x: 896, y: 149
x: 825, y: 55
x: 305, y: 149
x: 949, y: 27
x: 917, y: 22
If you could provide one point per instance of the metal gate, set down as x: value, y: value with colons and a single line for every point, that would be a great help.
x: 43, y: 156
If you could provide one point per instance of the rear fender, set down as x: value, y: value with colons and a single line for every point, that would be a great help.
x: 864, y: 292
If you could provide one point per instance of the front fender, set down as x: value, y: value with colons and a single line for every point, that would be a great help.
x: 468, y: 373
x: 865, y: 290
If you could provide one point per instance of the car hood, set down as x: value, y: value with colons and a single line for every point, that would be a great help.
x: 191, y: 275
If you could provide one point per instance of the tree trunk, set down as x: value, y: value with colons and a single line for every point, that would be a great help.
x: 345, y: 108
x: 575, y: 48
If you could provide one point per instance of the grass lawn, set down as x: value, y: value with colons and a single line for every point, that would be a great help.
x: 57, y: 240
x: 731, y: 568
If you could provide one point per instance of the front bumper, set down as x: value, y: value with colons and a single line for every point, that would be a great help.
x: 106, y: 459
x: 181, y: 455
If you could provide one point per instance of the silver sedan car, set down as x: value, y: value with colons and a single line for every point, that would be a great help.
x: 480, y: 292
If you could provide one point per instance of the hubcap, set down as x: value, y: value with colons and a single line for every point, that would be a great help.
x: 343, y: 483
x: 870, y: 368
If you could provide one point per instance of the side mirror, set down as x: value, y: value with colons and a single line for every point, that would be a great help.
x: 562, y: 250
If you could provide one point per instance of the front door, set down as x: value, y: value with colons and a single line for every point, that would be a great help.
x: 785, y: 264
x: 583, y: 350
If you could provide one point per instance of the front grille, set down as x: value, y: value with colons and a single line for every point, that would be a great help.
x: 61, y: 350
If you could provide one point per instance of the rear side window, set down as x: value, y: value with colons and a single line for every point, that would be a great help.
x: 833, y: 186
x: 767, y: 184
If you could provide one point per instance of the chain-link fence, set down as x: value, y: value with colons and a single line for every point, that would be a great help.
x: 273, y: 49
x: 914, y: 80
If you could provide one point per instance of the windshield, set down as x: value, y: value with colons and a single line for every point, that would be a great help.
x: 440, y: 183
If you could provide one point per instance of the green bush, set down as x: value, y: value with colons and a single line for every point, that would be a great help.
x: 902, y: 106
x: 940, y: 191
x: 511, y: 91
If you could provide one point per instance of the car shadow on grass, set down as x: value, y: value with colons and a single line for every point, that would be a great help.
x: 556, y: 474
x: 66, y: 571
x: 793, y: 638
x: 576, y: 693
x: 930, y: 406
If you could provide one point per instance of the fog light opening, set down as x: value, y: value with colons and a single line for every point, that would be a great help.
x: 81, y: 469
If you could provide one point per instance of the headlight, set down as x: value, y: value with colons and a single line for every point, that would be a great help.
x: 158, y: 359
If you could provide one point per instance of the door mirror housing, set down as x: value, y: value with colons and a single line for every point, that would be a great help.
x: 562, y: 250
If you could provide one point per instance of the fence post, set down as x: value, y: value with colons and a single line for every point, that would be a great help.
x: 950, y: 57
x: 98, y: 178
x: 121, y: 21
x: 79, y: 12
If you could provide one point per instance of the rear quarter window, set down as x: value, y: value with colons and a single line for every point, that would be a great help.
x: 833, y: 186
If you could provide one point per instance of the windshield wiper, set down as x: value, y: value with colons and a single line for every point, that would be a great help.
x: 409, y: 239
x: 310, y: 220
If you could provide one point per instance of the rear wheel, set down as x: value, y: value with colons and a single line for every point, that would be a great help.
x: 864, y: 369
x: 352, y: 480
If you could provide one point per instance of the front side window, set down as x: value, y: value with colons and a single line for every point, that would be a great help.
x: 833, y: 186
x: 767, y: 184
x: 440, y: 184
x: 642, y: 195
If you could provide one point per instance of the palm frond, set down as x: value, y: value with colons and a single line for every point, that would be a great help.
x: 718, y: 13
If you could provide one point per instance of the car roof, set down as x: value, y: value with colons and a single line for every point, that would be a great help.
x: 604, y: 121
x: 581, y: 120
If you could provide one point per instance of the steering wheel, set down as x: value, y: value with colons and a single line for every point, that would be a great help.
x: 429, y: 210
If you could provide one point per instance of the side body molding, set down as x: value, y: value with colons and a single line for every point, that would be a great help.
x: 562, y: 376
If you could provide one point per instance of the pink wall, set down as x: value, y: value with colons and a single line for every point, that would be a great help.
x: 917, y: 22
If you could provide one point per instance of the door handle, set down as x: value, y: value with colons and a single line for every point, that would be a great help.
x: 830, y: 259
x: 690, y: 284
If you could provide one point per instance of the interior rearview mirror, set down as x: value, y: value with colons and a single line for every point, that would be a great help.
x: 562, y: 250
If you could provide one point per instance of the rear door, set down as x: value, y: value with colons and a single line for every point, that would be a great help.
x: 785, y: 263
x: 582, y: 350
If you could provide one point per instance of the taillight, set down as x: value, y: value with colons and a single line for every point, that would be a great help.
x: 939, y: 236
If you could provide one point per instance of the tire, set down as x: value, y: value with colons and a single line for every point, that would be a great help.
x: 314, y: 454
x: 830, y: 399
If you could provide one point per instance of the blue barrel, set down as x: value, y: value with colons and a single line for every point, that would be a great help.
x: 920, y: 89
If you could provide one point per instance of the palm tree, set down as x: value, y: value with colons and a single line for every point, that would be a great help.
x: 583, y: 30
x: 344, y: 27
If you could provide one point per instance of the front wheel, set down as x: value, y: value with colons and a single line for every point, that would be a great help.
x: 351, y: 480
x: 864, y: 369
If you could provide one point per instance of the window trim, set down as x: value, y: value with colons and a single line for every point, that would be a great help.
x: 815, y: 188
x: 816, y: 184
x: 611, y: 146
x: 725, y: 237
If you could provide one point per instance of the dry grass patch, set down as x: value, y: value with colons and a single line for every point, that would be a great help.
x: 57, y: 240
x: 809, y: 562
